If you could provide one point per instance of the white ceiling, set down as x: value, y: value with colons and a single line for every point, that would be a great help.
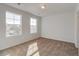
x: 51, y: 8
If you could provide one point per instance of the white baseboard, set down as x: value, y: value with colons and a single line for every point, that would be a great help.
x: 18, y: 43
x: 55, y: 38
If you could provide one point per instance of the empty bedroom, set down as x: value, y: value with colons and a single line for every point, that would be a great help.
x: 39, y: 29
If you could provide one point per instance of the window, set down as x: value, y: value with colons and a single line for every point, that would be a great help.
x: 33, y: 25
x: 13, y: 24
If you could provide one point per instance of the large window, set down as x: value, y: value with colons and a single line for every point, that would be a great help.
x: 13, y: 24
x: 33, y: 25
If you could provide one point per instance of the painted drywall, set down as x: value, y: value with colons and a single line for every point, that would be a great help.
x: 76, y: 32
x: 59, y: 27
x: 77, y: 37
x: 6, y: 42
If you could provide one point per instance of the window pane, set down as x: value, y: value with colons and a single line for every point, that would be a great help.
x: 13, y: 24
x: 9, y: 15
x: 13, y: 30
x: 9, y: 21
x: 33, y: 25
x: 16, y: 16
x: 33, y: 21
x: 33, y: 29
x: 17, y: 21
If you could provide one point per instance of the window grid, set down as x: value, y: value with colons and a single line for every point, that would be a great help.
x: 13, y: 28
x: 33, y: 25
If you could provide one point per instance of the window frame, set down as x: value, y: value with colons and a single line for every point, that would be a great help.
x: 14, y: 19
x: 31, y: 25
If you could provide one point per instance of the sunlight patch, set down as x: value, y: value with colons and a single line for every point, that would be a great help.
x: 32, y: 49
x: 7, y: 55
x: 36, y: 54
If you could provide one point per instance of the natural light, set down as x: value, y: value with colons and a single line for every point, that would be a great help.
x: 33, y: 25
x: 13, y: 24
x: 36, y: 54
x: 7, y: 55
x: 33, y: 50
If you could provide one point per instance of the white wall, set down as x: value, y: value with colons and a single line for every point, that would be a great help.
x: 26, y: 36
x: 77, y: 30
x: 77, y: 25
x: 59, y: 27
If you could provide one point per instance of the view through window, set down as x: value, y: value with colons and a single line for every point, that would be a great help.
x: 13, y: 24
x: 33, y: 25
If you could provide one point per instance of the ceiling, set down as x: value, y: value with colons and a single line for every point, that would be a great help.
x: 51, y: 8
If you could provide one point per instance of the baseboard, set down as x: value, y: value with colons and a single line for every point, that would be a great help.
x: 38, y: 38
x: 58, y: 40
x: 18, y: 44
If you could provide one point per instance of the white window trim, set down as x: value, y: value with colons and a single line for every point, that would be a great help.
x: 33, y: 25
x: 20, y: 24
